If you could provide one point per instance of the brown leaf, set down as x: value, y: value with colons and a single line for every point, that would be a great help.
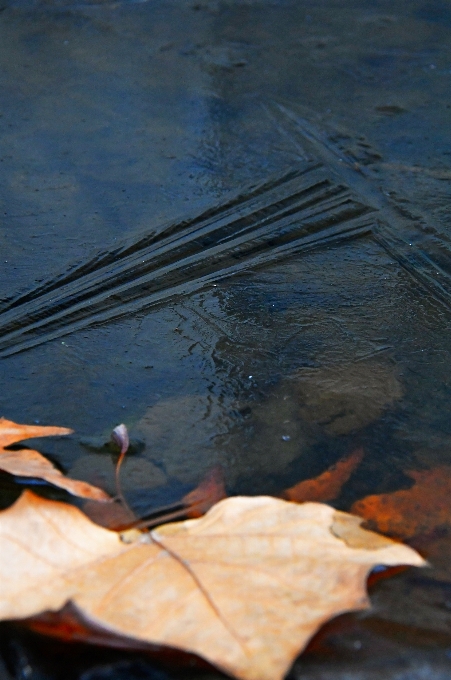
x: 203, y: 497
x: 119, y: 516
x: 115, y: 516
x: 29, y: 463
x: 244, y: 587
x: 328, y: 485
x: 411, y: 512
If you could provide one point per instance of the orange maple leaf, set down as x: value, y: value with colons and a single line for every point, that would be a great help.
x: 411, y: 512
x: 29, y: 463
x: 327, y: 485
x: 244, y: 587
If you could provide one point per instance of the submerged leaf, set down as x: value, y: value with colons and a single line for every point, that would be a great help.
x: 244, y: 587
x: 410, y: 512
x: 29, y: 463
x: 206, y: 494
x: 328, y: 484
x: 420, y: 515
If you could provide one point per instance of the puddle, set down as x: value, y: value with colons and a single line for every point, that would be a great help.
x: 226, y: 224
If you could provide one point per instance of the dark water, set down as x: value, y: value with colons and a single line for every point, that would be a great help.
x: 226, y: 224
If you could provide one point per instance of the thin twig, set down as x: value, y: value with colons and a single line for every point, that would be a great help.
x: 121, y: 438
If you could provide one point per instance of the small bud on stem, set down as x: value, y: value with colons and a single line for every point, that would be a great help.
x: 120, y: 437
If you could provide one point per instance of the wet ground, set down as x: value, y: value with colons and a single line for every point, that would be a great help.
x: 226, y: 224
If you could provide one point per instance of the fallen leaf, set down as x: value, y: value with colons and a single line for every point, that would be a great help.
x: 29, y: 463
x: 118, y: 516
x: 411, y: 512
x: 115, y: 516
x: 206, y: 494
x: 328, y: 485
x: 244, y: 587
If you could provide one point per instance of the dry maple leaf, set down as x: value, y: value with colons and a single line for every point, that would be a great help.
x: 244, y: 587
x: 29, y: 463
x: 328, y: 484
